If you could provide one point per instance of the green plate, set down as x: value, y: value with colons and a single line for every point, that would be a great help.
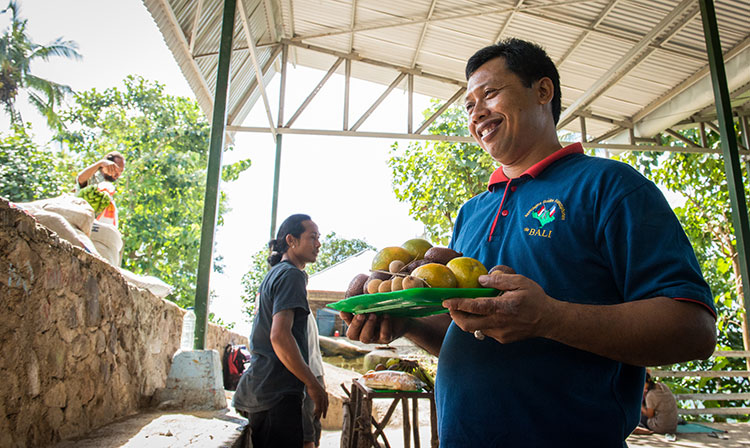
x: 414, y: 302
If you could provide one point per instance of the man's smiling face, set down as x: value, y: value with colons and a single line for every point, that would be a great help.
x: 504, y: 115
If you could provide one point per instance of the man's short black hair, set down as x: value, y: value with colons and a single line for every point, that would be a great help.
x: 527, y: 60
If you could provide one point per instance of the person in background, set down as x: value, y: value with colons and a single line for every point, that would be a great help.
x: 605, y: 280
x: 270, y: 391
x: 659, y: 408
x: 311, y: 423
x: 108, y: 169
x: 102, y: 174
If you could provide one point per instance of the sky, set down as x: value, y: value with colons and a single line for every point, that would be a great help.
x: 343, y: 183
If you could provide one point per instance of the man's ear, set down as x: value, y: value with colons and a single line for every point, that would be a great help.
x: 290, y: 240
x: 545, y: 90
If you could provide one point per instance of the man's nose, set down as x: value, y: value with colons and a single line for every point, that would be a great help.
x: 478, y: 112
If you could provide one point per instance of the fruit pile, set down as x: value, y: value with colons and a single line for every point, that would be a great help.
x: 99, y: 200
x: 417, y: 264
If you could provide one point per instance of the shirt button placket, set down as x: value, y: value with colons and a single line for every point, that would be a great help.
x: 505, y: 212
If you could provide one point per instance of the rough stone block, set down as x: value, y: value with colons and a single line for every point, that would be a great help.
x: 194, y: 381
x: 93, y: 313
x: 9, y: 392
x: 81, y: 346
x: 55, y: 417
x: 52, y: 277
x: 55, y: 360
x: 32, y: 372
x: 56, y: 396
x: 87, y: 390
x: 101, y: 342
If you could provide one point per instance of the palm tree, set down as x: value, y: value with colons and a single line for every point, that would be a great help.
x: 17, y: 51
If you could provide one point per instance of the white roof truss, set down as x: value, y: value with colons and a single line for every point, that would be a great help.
x: 630, y: 69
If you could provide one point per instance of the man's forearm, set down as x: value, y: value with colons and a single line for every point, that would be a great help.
x: 428, y: 332
x: 646, y: 332
x: 286, y: 349
x: 87, y: 172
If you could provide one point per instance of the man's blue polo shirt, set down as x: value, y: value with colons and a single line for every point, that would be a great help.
x: 587, y: 230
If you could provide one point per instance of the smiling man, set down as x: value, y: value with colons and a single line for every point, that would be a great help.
x: 606, y: 281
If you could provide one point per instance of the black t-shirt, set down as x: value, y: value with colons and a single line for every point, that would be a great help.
x: 267, y: 380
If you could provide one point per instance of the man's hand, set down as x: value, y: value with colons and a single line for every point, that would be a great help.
x: 648, y: 332
x: 519, y: 313
x: 110, y: 168
x: 373, y: 329
x: 320, y: 398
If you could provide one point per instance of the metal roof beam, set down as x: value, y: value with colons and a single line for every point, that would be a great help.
x: 628, y: 61
x: 356, y: 57
x: 526, y: 10
x: 282, y: 83
x: 203, y: 95
x: 256, y: 66
x: 352, y: 22
x: 377, y: 102
x: 507, y: 21
x: 620, y: 123
x: 418, y: 48
x: 607, y: 135
x: 442, y: 109
x: 347, y: 82
x: 632, y: 39
x: 253, y: 85
x: 462, y: 139
x: 733, y: 95
x: 602, y: 15
x: 716, y: 129
x: 270, y: 19
x: 194, y: 30
x: 690, y: 94
x: 410, y: 105
x: 417, y: 20
x: 697, y: 76
x: 681, y: 138
x: 314, y: 92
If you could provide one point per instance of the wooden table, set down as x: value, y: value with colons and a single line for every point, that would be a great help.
x: 358, y: 430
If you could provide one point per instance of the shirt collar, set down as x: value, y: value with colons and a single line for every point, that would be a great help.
x: 499, y: 177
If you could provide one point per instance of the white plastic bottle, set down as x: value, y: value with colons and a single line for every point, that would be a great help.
x: 188, y: 330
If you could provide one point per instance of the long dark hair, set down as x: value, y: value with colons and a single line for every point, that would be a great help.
x: 649, y: 381
x: 291, y: 226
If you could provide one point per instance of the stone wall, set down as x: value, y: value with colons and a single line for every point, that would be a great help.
x: 79, y: 346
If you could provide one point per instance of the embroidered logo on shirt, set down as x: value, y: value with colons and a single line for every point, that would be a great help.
x: 545, y: 212
x: 545, y: 216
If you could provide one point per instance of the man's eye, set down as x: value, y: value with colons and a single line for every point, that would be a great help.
x: 468, y: 107
x: 489, y: 92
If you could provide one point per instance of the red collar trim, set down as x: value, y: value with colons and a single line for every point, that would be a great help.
x: 498, y: 176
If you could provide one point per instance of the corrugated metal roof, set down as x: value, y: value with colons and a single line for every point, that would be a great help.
x: 588, y: 39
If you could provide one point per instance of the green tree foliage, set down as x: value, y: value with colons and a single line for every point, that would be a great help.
x: 437, y: 177
x: 333, y: 250
x: 160, y: 195
x: 17, y: 52
x: 706, y: 218
x: 28, y: 172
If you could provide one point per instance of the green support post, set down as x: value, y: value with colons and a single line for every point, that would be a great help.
x: 277, y: 164
x: 729, y: 148
x: 213, y: 175
x: 276, y: 173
